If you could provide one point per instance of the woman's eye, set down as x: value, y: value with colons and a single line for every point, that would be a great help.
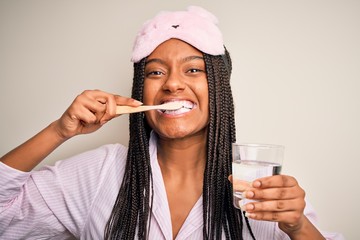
x: 194, y: 70
x: 154, y: 73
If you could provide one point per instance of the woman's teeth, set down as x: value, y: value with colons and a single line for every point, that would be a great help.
x: 187, y: 106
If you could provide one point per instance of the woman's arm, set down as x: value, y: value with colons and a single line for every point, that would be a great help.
x: 88, y: 112
x: 26, y: 156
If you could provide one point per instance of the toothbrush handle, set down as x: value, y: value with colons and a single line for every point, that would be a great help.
x: 128, y: 109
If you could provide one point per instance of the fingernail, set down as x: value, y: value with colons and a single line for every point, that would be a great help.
x: 250, y: 215
x: 248, y: 194
x: 256, y: 184
x: 138, y: 102
x: 249, y: 207
x: 246, y: 207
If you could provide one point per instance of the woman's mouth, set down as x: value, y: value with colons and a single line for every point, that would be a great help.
x: 187, y: 106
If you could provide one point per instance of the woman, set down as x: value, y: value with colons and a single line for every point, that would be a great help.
x: 172, y: 181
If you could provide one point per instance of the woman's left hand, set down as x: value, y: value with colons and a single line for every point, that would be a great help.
x: 280, y: 199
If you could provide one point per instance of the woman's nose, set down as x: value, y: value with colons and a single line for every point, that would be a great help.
x: 174, y: 83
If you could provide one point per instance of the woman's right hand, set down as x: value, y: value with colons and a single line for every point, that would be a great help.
x: 89, y: 111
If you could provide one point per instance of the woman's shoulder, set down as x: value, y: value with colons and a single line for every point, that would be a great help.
x: 103, y: 155
x: 86, y: 170
x: 72, y: 186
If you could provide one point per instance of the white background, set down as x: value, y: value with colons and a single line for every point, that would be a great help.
x: 296, y: 81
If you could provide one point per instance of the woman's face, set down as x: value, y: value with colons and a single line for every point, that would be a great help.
x: 175, y: 71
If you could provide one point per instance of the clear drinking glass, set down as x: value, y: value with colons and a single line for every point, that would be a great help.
x: 253, y: 161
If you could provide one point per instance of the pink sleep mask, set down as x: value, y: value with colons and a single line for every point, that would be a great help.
x: 196, y: 26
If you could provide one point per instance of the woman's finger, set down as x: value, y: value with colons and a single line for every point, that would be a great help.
x: 125, y: 101
x: 87, y: 106
x: 111, y: 101
x: 240, y: 185
x: 275, y: 181
x: 274, y: 193
x: 274, y: 206
x: 288, y: 217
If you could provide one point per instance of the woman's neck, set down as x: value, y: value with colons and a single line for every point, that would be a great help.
x: 182, y: 156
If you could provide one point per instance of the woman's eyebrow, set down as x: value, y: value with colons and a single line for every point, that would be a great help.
x: 186, y: 59
x: 154, y: 60
x: 190, y: 58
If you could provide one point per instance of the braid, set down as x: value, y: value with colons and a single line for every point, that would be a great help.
x: 132, y: 206
x: 219, y: 213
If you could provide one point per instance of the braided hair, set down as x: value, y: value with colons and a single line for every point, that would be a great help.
x: 133, y: 205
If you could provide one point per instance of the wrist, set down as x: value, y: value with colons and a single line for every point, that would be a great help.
x: 302, y: 231
x: 58, y: 135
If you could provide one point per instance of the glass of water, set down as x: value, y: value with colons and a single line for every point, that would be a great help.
x: 253, y: 161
